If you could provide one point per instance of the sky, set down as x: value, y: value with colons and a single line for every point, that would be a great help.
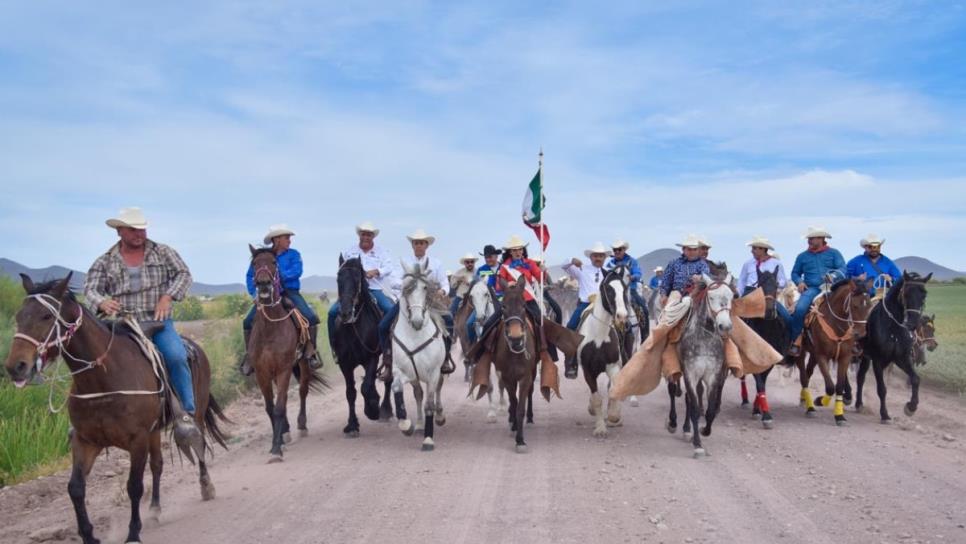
x: 656, y: 119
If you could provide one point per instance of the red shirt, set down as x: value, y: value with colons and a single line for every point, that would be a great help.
x: 528, y: 269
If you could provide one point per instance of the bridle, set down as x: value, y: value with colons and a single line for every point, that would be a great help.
x: 59, y: 335
x: 902, y: 304
x: 522, y: 350
x: 408, y: 291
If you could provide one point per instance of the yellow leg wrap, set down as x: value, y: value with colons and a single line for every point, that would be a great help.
x: 839, y: 406
x: 807, y: 398
x: 824, y: 400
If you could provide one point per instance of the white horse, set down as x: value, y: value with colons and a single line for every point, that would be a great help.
x: 481, y: 300
x: 600, y: 350
x: 418, y: 352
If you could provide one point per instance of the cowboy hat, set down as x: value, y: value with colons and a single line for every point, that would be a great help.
x: 490, y: 249
x: 597, y: 248
x: 468, y: 257
x: 620, y: 244
x: 420, y: 234
x: 129, y: 217
x: 367, y: 226
x: 760, y: 241
x: 872, y: 240
x: 691, y: 241
x: 703, y: 241
x: 816, y: 232
x: 515, y: 242
x: 658, y: 269
x: 277, y: 230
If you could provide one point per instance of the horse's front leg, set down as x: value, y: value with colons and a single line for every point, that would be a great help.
x: 613, y: 406
x: 530, y: 403
x: 824, y: 364
x: 156, y: 460
x: 440, y: 416
x: 524, y: 389
x: 385, y: 408
x: 268, y: 396
x: 135, y: 485
x: 907, y: 366
x: 744, y: 396
x: 430, y: 411
x: 878, y: 369
x: 370, y: 394
x: 672, y: 416
x: 351, y: 430
x: 761, y: 399
x: 841, y: 385
x: 280, y: 416
x: 596, y: 406
x: 692, y: 413
x: 418, y: 393
x: 714, y: 404
x: 805, y: 376
x: 83, y: 455
x: 305, y: 377
x: 399, y: 381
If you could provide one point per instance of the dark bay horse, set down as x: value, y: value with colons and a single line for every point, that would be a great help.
x: 355, y: 342
x: 515, y: 356
x: 277, y: 349
x: 891, y: 338
x: 115, y: 399
x: 831, y: 335
x: 771, y: 329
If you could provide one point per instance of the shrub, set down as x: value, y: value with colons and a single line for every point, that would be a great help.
x: 189, y: 309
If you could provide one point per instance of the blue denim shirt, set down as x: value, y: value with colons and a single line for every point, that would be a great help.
x: 489, y: 273
x: 289, y: 271
x: 861, y: 264
x: 677, y: 275
x: 811, y: 268
x: 655, y: 282
x: 631, y: 265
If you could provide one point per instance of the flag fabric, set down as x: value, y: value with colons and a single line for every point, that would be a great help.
x: 533, y: 204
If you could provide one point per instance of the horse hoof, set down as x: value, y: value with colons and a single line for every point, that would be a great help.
x: 847, y: 401
x: 810, y: 412
x: 615, y: 422
x: 440, y: 420
x: 671, y: 428
x: 886, y: 421
x: 208, y: 490
x: 767, y: 423
x: 491, y: 418
x: 600, y: 432
x: 841, y: 422
x: 744, y: 404
x: 286, y: 438
x: 521, y: 448
x: 428, y: 444
x: 908, y: 410
x: 351, y: 434
x: 407, y: 428
x: 686, y: 436
x: 385, y: 414
x: 276, y: 458
x: 756, y: 415
x: 303, y: 433
x: 699, y: 453
x: 634, y: 402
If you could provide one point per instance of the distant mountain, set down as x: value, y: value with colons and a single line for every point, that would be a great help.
x: 925, y: 266
x: 318, y: 284
x: 656, y: 258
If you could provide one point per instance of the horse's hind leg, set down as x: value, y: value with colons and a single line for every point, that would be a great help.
x: 405, y: 425
x: 596, y: 406
x: 83, y: 455
x: 305, y: 375
x: 430, y: 410
x: 351, y: 430
x: 744, y: 394
x: 440, y: 416
x: 156, y: 461
x: 418, y: 393
x: 613, y: 406
x: 385, y: 408
x: 692, y: 414
x: 863, y: 369
x: 761, y: 399
x: 672, y: 416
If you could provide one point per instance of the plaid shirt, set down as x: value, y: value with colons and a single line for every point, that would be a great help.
x: 162, y: 273
x: 677, y: 275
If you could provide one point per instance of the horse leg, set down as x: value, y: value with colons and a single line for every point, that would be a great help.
x: 692, y: 414
x: 596, y: 406
x: 351, y: 430
x: 135, y: 485
x: 269, y: 397
x: 305, y: 376
x: 418, y: 393
x: 910, y: 370
x: 398, y: 393
x: 440, y: 416
x: 878, y: 369
x: 491, y: 411
x: 841, y: 383
x: 864, y: 363
x: 805, y: 376
x: 744, y: 394
x: 83, y: 455
x: 385, y: 408
x: 156, y: 461
x: 525, y: 385
x: 430, y: 411
x: 761, y: 399
x: 504, y: 404
x: 530, y: 403
x: 512, y: 410
x: 714, y: 405
x: 613, y: 406
x: 370, y: 395
x: 279, y: 415
x: 823, y: 367
x: 672, y: 417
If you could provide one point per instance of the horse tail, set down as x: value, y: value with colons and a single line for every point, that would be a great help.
x: 317, y: 381
x: 213, y: 414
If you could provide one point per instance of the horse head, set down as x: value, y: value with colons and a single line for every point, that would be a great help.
x: 719, y: 295
x: 43, y: 325
x: 858, y: 304
x: 415, y: 294
x: 514, y: 315
x: 768, y: 281
x: 268, y: 285
x: 613, y: 293
x: 912, y: 297
x: 352, y: 284
x: 482, y: 300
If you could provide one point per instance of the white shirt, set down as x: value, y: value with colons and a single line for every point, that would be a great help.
x: 379, y: 259
x: 436, y: 271
x: 749, y: 273
x: 588, y: 279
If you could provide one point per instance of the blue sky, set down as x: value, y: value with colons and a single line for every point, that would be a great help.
x: 657, y: 119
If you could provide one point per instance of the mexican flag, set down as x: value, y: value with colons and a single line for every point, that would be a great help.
x: 533, y: 203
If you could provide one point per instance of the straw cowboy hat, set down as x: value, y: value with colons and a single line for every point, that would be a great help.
x: 277, y: 230
x: 872, y: 240
x: 469, y: 257
x: 129, y: 217
x: 597, y: 248
x: 691, y: 241
x: 760, y: 241
x: 620, y: 244
x: 420, y: 234
x: 703, y: 241
x: 658, y: 269
x: 816, y: 232
x: 515, y: 242
x: 367, y: 226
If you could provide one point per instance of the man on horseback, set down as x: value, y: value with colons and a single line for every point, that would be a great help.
x: 620, y: 257
x: 289, y: 260
x: 819, y: 264
x: 873, y: 266
x: 420, y: 242
x: 547, y: 296
x: 680, y: 274
x: 459, y: 286
x: 655, y: 282
x: 588, y: 283
x: 491, y: 265
x: 762, y: 261
x: 143, y: 278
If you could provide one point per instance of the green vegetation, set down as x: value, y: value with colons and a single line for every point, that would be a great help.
x: 946, y: 366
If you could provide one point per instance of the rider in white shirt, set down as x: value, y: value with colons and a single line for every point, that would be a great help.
x: 588, y: 279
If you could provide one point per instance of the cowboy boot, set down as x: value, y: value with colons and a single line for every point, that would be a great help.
x: 245, y: 366
x: 385, y: 371
x: 448, y: 365
x: 570, y: 367
x: 795, y: 348
x: 481, y: 375
x: 315, y: 362
x: 186, y: 434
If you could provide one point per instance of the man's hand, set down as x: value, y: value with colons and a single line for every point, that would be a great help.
x: 374, y: 273
x: 162, y: 310
x: 576, y: 262
x: 802, y: 287
x: 109, y: 307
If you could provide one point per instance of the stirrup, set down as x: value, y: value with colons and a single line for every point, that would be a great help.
x: 570, y: 369
x: 188, y: 437
x: 448, y: 366
x: 315, y: 362
x: 244, y: 367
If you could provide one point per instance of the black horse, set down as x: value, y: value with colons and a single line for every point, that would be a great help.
x: 891, y: 338
x: 771, y: 329
x: 355, y: 342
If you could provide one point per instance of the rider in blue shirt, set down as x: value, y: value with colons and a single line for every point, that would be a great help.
x: 621, y: 258
x: 655, y: 282
x: 489, y: 270
x: 875, y: 267
x: 813, y: 267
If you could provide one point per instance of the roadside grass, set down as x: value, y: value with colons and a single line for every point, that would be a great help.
x: 946, y: 367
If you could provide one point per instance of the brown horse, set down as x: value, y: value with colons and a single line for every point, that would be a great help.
x: 116, y: 398
x: 275, y: 346
x: 831, y: 334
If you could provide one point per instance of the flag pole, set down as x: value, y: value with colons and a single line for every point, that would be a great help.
x: 543, y: 262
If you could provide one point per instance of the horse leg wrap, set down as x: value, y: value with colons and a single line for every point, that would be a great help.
x: 807, y: 399
x: 824, y: 400
x: 839, y: 409
x: 762, y: 402
x: 744, y: 392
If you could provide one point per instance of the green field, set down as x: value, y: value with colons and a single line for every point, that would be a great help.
x: 946, y: 366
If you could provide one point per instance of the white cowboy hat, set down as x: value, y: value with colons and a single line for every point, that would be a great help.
x: 468, y: 257
x: 597, y: 248
x: 691, y: 241
x: 872, y: 240
x: 703, y: 241
x: 515, y: 242
x: 128, y: 217
x: 367, y: 226
x: 420, y: 234
x: 760, y: 241
x: 816, y: 232
x: 277, y: 230
x: 658, y: 269
x: 620, y: 244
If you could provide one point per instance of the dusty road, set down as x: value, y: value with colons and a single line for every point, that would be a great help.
x: 804, y: 481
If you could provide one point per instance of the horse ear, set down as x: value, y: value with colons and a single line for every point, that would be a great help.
x: 28, y: 284
x: 927, y: 278
x: 503, y: 283
x: 252, y: 249
x: 341, y: 260
x: 406, y: 269
x: 728, y: 279
x: 62, y: 286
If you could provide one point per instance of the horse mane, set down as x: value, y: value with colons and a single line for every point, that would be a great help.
x: 719, y: 270
x: 47, y: 286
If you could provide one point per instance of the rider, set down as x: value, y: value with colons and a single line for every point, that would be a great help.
x: 547, y: 297
x: 762, y: 261
x: 289, y: 263
x: 420, y: 242
x: 620, y: 257
x: 680, y: 275
x: 459, y: 285
x: 873, y: 265
x: 814, y: 266
x: 655, y: 282
x: 491, y: 258
x: 588, y: 283
x: 704, y: 247
x: 142, y: 277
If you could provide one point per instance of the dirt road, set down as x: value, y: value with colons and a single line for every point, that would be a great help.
x: 804, y: 481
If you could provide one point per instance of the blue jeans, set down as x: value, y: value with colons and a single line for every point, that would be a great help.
x: 575, y: 317
x: 176, y: 361
x: 797, y: 322
x: 385, y: 304
x: 637, y: 299
x: 298, y: 300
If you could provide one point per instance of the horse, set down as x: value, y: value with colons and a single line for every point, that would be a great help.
x: 116, y: 398
x: 355, y: 342
x: 925, y: 338
x: 701, y: 351
x: 275, y: 346
x: 480, y: 299
x: 418, y: 354
x: 831, y: 333
x: 601, y: 350
x: 773, y: 330
x: 892, y: 339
